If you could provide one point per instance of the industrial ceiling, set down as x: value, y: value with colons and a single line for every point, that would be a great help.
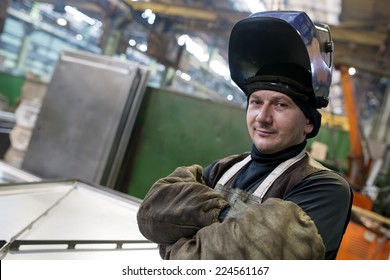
x: 360, y: 28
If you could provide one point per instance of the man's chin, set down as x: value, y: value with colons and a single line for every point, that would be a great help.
x: 265, y: 148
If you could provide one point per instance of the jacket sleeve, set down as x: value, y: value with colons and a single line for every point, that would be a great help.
x: 178, y: 206
x: 275, y: 229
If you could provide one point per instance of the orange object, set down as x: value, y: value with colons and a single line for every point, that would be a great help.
x: 360, y: 243
x: 357, y: 170
x: 362, y: 201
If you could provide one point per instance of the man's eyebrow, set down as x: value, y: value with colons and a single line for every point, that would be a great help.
x: 282, y: 98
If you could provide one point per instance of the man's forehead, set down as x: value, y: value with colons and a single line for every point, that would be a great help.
x: 263, y: 93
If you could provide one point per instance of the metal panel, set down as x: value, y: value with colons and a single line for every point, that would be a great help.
x: 70, y: 220
x: 86, y: 118
x: 11, y: 174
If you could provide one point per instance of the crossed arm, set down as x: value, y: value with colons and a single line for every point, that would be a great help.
x: 180, y: 213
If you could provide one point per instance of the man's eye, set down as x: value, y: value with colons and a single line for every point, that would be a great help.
x: 282, y: 105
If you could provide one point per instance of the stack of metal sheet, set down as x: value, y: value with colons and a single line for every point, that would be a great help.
x: 69, y: 220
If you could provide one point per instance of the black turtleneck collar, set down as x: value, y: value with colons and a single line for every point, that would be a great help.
x: 278, y: 157
x: 261, y: 165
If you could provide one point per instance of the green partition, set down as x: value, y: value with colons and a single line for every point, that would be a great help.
x: 337, y: 140
x: 175, y: 129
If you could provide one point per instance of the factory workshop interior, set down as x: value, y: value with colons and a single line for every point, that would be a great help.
x: 101, y: 98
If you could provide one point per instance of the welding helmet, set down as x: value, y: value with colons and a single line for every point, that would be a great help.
x: 286, y: 51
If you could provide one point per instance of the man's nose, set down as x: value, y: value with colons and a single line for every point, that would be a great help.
x: 264, y: 115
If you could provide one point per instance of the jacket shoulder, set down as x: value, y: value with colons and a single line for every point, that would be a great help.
x: 214, y: 171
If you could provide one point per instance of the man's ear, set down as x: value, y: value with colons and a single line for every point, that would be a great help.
x: 309, y: 126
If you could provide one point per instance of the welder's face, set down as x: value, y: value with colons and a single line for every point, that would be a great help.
x: 275, y: 122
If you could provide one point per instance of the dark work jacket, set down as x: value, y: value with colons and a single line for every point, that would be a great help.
x: 322, y: 193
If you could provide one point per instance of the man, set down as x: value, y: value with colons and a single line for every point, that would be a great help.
x: 274, y: 202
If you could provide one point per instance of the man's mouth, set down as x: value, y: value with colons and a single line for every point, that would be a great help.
x: 264, y: 132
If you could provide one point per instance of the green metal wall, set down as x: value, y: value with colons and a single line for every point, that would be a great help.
x: 174, y: 129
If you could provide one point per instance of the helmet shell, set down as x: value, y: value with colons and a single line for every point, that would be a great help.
x: 274, y: 37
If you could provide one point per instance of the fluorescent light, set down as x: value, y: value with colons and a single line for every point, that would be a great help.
x: 185, y: 76
x: 149, y: 16
x: 151, y: 19
x: 142, y: 47
x: 351, y: 71
x: 62, y: 21
x: 193, y: 48
x: 79, y: 16
x: 255, y: 6
x: 219, y: 68
x: 182, y: 39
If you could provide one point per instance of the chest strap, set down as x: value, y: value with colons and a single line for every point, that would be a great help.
x: 269, y: 180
